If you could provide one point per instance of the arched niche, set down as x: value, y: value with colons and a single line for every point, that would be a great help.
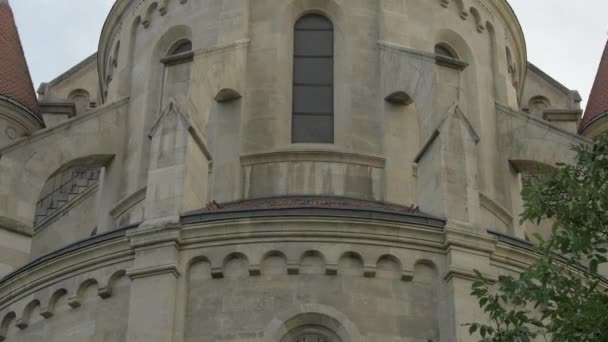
x: 170, y: 74
x: 71, y: 188
x: 314, y: 320
x: 81, y: 99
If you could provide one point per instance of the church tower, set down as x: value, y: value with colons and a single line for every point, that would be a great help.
x: 595, y: 120
x: 19, y: 114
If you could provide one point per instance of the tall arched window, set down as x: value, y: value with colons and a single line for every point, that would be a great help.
x: 313, y: 80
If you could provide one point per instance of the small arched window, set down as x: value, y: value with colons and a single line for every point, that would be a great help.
x: 181, y: 47
x: 538, y: 104
x: 445, y: 50
x: 311, y: 333
x: 313, y: 80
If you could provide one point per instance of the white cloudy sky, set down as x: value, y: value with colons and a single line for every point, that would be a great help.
x: 565, y: 37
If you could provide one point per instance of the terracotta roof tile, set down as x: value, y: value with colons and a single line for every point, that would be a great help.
x: 15, y: 81
x: 598, y: 100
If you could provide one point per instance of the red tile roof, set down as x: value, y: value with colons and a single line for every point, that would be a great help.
x: 15, y: 81
x: 598, y: 100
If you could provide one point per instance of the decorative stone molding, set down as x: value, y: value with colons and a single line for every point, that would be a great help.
x: 304, y: 154
x: 501, y: 109
x: 562, y: 115
x: 81, y: 197
x: 54, y: 131
x: 495, y: 208
x: 449, y: 62
x: 151, y: 271
x: 128, y: 202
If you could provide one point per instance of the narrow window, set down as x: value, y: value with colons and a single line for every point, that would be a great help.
x: 181, y: 47
x: 445, y: 50
x: 313, y: 81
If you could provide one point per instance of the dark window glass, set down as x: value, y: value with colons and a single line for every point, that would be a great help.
x: 444, y: 50
x: 310, y: 128
x: 181, y: 47
x: 313, y: 81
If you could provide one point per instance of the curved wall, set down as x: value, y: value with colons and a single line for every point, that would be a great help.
x: 259, y: 279
x: 245, y: 48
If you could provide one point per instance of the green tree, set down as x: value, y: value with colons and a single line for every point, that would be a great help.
x: 561, y: 297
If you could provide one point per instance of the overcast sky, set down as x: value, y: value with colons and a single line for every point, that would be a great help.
x: 565, y: 37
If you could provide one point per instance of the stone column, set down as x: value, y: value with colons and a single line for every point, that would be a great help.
x: 466, y: 252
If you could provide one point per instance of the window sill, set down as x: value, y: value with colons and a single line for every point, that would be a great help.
x: 178, y: 58
x: 451, y: 63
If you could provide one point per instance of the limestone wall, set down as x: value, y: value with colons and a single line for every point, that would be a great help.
x: 380, y: 47
x: 362, y: 279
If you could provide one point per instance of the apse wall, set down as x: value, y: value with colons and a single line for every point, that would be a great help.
x: 237, y: 85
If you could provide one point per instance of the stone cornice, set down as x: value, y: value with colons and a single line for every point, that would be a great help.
x: 128, y: 202
x: 15, y: 227
x: 542, y: 123
x: 318, y: 155
x: 151, y: 271
x: 63, y: 126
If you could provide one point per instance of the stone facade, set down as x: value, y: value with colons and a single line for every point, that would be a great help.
x: 437, y: 118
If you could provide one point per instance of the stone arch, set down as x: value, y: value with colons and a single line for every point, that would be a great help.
x: 468, y: 100
x: 154, y: 103
x: 26, y: 170
x: 81, y: 99
x: 5, y: 324
x: 479, y: 23
x: 181, y: 46
x: 312, y: 262
x: 78, y: 297
x: 538, y: 104
x: 389, y: 266
x: 116, y: 54
x: 274, y: 263
x: 48, y: 311
x: 66, y: 177
x: 290, y: 12
x: 125, y: 87
x: 106, y: 287
x: 494, y: 59
x: 171, y: 36
x: 24, y: 321
x: 236, y: 265
x: 512, y: 67
x: 456, y: 41
x: 351, y: 263
x: 199, y: 268
x: 425, y: 270
x: 462, y: 9
x: 147, y: 19
x: 311, y: 315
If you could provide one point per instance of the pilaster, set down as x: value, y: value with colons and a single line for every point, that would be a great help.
x: 154, y: 283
